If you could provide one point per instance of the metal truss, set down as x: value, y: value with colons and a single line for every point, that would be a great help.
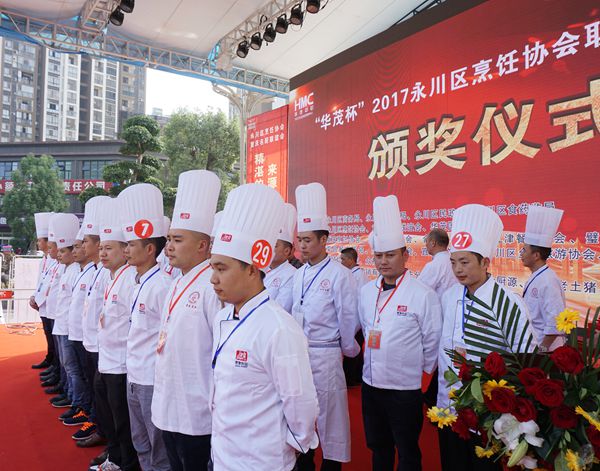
x: 75, y: 39
x: 94, y: 14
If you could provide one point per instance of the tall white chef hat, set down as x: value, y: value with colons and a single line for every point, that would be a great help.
x: 196, y: 201
x: 311, y: 201
x: 79, y: 234
x: 387, y: 225
x: 91, y: 225
x: 475, y: 228
x: 542, y: 225
x: 166, y: 224
x: 250, y: 225
x: 141, y: 212
x: 110, y: 227
x: 64, y: 227
x: 42, y: 222
x: 216, y: 223
x: 289, y: 224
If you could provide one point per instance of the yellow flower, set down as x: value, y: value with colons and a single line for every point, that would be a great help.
x: 489, y: 386
x: 591, y: 418
x: 573, y: 462
x: 566, y: 321
x: 442, y: 417
x: 452, y: 393
x: 485, y: 452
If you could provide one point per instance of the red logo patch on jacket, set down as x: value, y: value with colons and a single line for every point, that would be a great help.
x: 241, y: 358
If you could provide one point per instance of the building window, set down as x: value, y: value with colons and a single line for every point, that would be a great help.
x: 92, y: 169
x: 7, y: 168
x: 64, y: 169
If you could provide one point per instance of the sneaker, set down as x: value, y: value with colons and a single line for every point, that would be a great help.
x: 41, y: 365
x: 47, y: 371
x: 52, y: 381
x: 85, y: 431
x: 54, y: 390
x: 58, y: 397
x: 101, y: 458
x: 78, y: 419
x: 95, y: 439
x: 64, y: 402
x: 68, y: 414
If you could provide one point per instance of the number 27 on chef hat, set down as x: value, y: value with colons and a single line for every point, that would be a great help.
x: 250, y: 225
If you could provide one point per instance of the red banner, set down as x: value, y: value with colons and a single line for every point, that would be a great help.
x: 499, y: 105
x: 267, y: 149
x: 72, y: 187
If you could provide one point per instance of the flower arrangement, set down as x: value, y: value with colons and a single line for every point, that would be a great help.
x: 531, y: 410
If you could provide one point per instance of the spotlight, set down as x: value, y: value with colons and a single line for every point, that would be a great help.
x: 255, y: 41
x: 242, y: 49
x: 282, y: 24
x: 269, y: 34
x: 313, y: 6
x: 127, y: 5
x: 116, y: 17
x: 296, y: 15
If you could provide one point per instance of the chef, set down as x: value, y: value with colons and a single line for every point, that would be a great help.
x: 401, y: 320
x: 163, y: 260
x: 279, y: 279
x: 264, y: 401
x: 349, y: 258
x: 183, y: 373
x: 325, y: 305
x: 543, y: 292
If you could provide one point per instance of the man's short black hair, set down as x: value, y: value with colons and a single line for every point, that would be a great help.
x: 543, y: 251
x: 350, y: 252
x: 158, y: 242
x: 244, y: 265
x: 43, y: 238
x: 287, y: 244
x: 439, y: 236
x: 320, y: 234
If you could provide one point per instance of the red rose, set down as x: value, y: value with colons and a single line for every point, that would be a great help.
x: 530, y: 376
x: 465, y: 373
x: 563, y: 417
x: 593, y: 436
x: 469, y: 417
x: 524, y: 410
x: 461, y: 428
x: 503, y: 400
x: 495, y: 366
x: 549, y: 392
x: 567, y: 359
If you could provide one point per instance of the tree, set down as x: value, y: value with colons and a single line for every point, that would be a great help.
x: 202, y: 141
x: 90, y: 192
x: 141, y: 135
x: 37, y: 188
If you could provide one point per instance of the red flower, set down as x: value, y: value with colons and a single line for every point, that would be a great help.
x: 593, y: 436
x: 469, y: 417
x: 495, y: 366
x: 563, y: 417
x: 567, y: 359
x: 503, y: 400
x: 549, y: 392
x: 461, y: 428
x: 524, y: 410
x: 465, y: 372
x: 530, y: 376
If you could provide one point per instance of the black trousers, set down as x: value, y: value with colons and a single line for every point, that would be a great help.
x: 353, y: 366
x: 457, y: 453
x: 430, y: 395
x: 306, y: 462
x: 90, y: 370
x: 393, y: 421
x: 48, y: 325
x: 111, y: 408
x: 187, y: 452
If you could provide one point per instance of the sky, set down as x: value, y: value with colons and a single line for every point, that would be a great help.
x: 171, y: 91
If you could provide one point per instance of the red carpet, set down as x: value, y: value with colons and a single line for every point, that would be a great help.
x: 32, y: 439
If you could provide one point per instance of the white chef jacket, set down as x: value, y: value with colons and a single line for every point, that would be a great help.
x: 114, y: 322
x: 147, y: 303
x: 52, y: 289
x: 329, y: 312
x: 452, y: 331
x: 166, y: 267
x: 545, y: 299
x: 78, y: 298
x: 61, y: 321
x: 438, y: 274
x: 279, y: 283
x: 93, y: 306
x: 263, y: 388
x: 41, y: 291
x: 360, y: 277
x: 410, y: 326
x: 183, y: 373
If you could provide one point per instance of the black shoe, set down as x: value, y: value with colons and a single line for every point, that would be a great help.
x: 45, y: 377
x: 101, y: 458
x: 65, y: 402
x: 68, y: 414
x: 54, y: 390
x: 86, y: 431
x: 47, y: 371
x: 78, y: 419
x: 59, y: 397
x: 53, y: 381
x: 95, y: 439
x: 42, y: 365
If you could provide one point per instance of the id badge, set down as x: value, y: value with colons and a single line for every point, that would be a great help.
x: 162, y: 339
x: 374, y: 340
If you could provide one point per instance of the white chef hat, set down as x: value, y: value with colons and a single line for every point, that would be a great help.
x: 387, y: 231
x: 63, y: 227
x: 196, y: 201
x: 79, y: 234
x: 91, y: 225
x: 42, y: 221
x: 166, y: 224
x: 475, y: 228
x: 216, y: 223
x: 289, y: 224
x: 110, y: 228
x: 311, y: 201
x: 542, y: 225
x: 141, y: 212
x: 250, y: 225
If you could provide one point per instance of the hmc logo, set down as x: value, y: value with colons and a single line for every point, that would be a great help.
x: 304, y: 105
